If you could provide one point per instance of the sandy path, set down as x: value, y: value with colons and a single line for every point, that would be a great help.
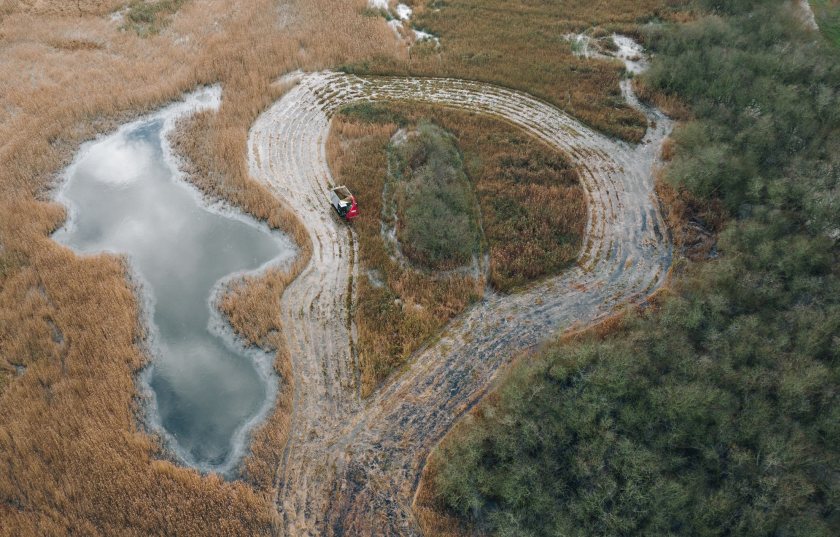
x: 352, y: 467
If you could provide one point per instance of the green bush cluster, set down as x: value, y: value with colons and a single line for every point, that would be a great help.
x: 766, y: 99
x: 438, y: 213
x: 717, y: 413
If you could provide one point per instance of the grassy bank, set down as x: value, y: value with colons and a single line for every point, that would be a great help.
x: 714, y: 412
x: 533, y: 213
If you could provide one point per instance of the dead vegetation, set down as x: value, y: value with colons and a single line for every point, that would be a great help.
x: 396, y: 307
x: 533, y: 212
x: 522, y: 44
x: 73, y: 459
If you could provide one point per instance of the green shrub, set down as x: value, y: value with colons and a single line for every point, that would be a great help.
x: 436, y: 208
x: 827, y: 14
x: 148, y: 18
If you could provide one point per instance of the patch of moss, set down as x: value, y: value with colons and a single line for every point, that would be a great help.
x: 149, y: 18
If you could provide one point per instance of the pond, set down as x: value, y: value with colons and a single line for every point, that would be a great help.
x: 205, y: 389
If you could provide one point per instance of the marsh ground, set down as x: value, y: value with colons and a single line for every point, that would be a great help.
x: 70, y: 339
x: 76, y: 459
x: 532, y: 213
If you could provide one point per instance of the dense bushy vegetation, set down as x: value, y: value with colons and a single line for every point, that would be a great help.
x: 438, y: 219
x: 716, y: 411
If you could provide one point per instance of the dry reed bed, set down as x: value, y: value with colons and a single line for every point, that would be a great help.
x: 522, y: 45
x: 533, y: 213
x: 393, y: 316
x: 72, y: 457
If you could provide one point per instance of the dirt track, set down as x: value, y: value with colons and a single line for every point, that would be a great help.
x: 352, y: 466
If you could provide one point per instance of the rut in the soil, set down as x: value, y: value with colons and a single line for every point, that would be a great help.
x: 351, y: 467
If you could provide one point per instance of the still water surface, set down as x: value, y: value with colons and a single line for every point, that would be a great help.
x: 125, y: 196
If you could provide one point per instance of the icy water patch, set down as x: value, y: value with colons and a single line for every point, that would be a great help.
x: 400, y: 23
x: 205, y: 389
x: 631, y: 53
x: 624, y: 48
x: 403, y: 12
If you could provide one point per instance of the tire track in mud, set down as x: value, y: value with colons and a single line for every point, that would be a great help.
x: 352, y: 466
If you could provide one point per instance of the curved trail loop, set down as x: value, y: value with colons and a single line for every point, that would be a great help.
x: 352, y: 466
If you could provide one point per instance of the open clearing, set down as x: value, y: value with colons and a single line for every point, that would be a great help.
x: 353, y: 465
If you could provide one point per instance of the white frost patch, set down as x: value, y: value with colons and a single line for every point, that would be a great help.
x: 399, y: 137
x: 628, y: 50
x: 580, y: 44
x: 631, y: 53
x: 375, y: 278
x: 420, y: 35
x: 403, y: 12
x: 118, y: 16
x: 625, y: 49
x: 397, y: 26
x: 401, y: 23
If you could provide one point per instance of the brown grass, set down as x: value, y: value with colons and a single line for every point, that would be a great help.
x: 693, y: 223
x: 395, y: 317
x: 73, y: 459
x: 520, y: 44
x: 670, y: 104
x: 514, y: 177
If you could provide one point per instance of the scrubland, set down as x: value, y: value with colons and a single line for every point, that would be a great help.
x: 532, y: 212
x: 73, y: 456
x: 714, y: 409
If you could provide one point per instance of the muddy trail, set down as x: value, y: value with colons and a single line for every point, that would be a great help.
x: 352, y: 466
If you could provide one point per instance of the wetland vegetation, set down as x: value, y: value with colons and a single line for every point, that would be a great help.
x: 531, y: 207
x: 714, y: 410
